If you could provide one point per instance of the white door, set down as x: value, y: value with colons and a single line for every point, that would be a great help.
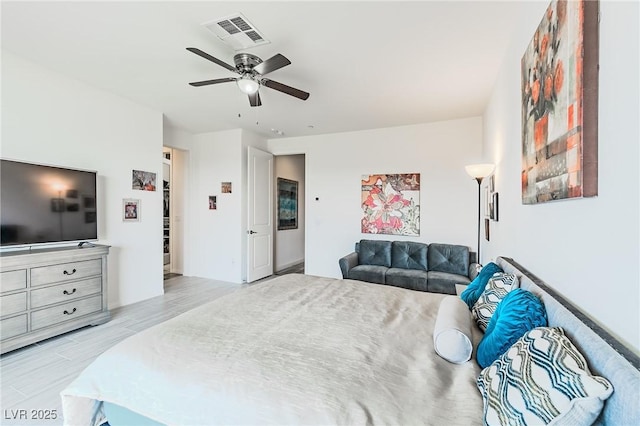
x: 260, y: 223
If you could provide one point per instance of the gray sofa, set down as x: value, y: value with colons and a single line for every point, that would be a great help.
x: 435, y: 268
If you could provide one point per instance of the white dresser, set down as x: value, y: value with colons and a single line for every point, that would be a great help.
x: 47, y: 292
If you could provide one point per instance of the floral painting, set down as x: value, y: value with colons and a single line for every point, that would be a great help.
x: 559, y: 105
x: 391, y: 204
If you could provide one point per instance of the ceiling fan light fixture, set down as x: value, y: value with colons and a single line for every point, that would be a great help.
x: 251, y: 69
x: 247, y: 84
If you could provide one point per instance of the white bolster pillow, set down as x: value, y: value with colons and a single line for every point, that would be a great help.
x: 452, y: 332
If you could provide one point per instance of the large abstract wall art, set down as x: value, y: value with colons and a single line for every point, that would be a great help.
x: 560, y: 105
x: 391, y: 204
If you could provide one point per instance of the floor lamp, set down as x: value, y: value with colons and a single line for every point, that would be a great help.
x: 479, y: 172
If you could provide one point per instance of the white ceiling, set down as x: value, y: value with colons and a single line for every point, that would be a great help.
x: 366, y: 64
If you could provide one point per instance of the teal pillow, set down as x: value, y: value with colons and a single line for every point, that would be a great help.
x: 519, y: 312
x: 476, y: 287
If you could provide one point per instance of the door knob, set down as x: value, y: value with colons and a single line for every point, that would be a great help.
x: 251, y: 232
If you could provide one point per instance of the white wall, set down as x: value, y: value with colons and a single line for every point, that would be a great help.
x: 175, y: 137
x: 334, y: 167
x: 588, y: 249
x: 289, y: 243
x: 215, y: 242
x: 48, y: 118
x: 214, y: 235
x: 216, y: 239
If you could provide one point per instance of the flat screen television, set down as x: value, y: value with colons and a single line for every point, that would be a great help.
x: 45, y: 204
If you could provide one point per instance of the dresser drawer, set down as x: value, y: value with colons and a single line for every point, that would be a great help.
x: 11, y: 327
x: 66, y: 292
x: 65, y: 272
x: 13, y: 280
x: 13, y: 303
x: 65, y: 312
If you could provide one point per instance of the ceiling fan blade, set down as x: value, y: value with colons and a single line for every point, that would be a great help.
x: 216, y: 81
x: 254, y: 99
x: 285, y: 89
x: 274, y: 63
x: 212, y: 59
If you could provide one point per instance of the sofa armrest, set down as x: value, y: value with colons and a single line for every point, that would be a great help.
x: 474, y: 269
x: 460, y: 288
x: 348, y: 262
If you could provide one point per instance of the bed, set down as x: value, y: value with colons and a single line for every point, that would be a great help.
x: 300, y: 349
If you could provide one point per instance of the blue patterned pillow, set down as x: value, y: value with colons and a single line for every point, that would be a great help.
x: 475, y: 288
x: 542, y: 378
x: 499, y: 285
x: 519, y: 312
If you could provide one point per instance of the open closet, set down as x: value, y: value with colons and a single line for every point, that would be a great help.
x: 174, y: 162
x: 166, y: 209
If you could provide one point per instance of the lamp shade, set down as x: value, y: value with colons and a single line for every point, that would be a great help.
x: 479, y: 170
x: 248, y: 85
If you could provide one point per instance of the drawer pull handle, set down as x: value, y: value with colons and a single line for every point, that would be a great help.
x: 67, y: 293
x: 69, y: 273
x: 69, y: 313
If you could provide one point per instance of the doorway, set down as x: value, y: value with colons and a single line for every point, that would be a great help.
x: 173, y: 189
x: 289, y: 232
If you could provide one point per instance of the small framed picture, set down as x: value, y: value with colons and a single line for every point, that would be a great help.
x: 226, y: 187
x: 57, y: 205
x: 143, y: 181
x: 495, y: 207
x: 130, y: 210
x: 213, y: 202
x: 486, y: 229
x: 487, y: 202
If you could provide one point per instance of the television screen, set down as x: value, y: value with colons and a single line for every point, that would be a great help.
x: 45, y: 204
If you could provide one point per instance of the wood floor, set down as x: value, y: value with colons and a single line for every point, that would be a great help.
x: 295, y: 269
x: 32, y: 377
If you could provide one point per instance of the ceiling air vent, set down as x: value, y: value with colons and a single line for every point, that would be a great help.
x: 236, y: 31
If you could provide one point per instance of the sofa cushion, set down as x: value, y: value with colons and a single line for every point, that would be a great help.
x: 448, y: 258
x: 543, y: 378
x: 369, y: 273
x: 413, y: 279
x: 444, y: 282
x: 519, y: 312
x: 409, y: 255
x: 497, y: 288
x: 452, y: 338
x: 373, y: 252
x: 477, y: 286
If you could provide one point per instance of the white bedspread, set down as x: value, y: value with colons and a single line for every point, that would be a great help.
x: 294, y: 350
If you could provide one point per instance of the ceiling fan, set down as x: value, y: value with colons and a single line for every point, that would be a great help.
x: 251, y: 69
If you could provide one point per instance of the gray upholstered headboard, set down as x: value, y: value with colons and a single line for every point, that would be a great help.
x: 606, y: 356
